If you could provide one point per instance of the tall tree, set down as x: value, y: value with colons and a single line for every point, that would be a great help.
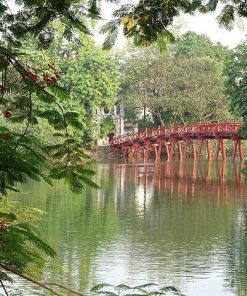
x: 27, y: 95
x: 89, y: 74
x: 192, y: 44
x: 178, y: 86
x: 236, y: 71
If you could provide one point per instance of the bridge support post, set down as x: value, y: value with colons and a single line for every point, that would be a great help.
x: 208, y: 174
x: 189, y: 144
x: 193, y: 147
x: 147, y: 147
x: 172, y: 147
x: 180, y: 151
x: 160, y: 142
x: 144, y: 151
x: 241, y: 152
x: 221, y: 148
x: 237, y: 146
x: 134, y: 150
x: 208, y: 149
x: 207, y: 146
x: 200, y: 148
x: 156, y: 150
x: 124, y: 151
x: 185, y: 148
x: 167, y: 151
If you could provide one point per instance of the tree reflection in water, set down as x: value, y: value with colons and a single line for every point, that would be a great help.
x: 202, y: 228
x: 150, y: 222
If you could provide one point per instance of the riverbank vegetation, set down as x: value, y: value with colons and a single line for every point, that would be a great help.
x: 41, y: 130
x: 54, y: 79
x: 186, y: 84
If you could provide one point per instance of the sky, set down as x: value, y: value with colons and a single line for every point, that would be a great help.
x: 199, y: 23
x: 207, y: 24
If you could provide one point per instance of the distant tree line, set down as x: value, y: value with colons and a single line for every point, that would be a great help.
x: 192, y: 81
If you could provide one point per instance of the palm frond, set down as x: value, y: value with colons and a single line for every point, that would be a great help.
x: 227, y: 17
x: 100, y: 286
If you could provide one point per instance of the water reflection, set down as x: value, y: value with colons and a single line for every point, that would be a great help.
x: 191, y: 179
x: 149, y: 223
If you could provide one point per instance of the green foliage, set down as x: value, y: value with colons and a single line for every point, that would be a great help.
x: 145, y: 123
x: 142, y: 23
x: 29, y: 95
x: 183, y: 85
x: 131, y: 114
x: 191, y: 44
x: 22, y: 154
x: 36, y: 17
x: 149, y: 21
x: 236, y: 83
x: 90, y: 76
x: 229, y: 12
x: 21, y: 244
x: 107, y: 126
x: 142, y: 290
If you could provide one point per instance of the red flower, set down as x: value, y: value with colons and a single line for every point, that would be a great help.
x: 3, y: 226
x: 32, y: 75
x: 6, y: 137
x: 58, y: 75
x: 7, y: 114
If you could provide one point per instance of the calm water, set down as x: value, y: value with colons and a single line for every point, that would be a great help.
x: 149, y: 223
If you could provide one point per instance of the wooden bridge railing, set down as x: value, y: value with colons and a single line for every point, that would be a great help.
x: 182, y: 136
x: 201, y: 129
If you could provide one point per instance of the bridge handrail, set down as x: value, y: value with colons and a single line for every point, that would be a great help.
x: 179, y: 130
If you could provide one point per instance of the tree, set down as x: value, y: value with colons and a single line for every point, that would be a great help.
x: 192, y: 44
x: 177, y: 86
x: 28, y: 95
x: 236, y: 85
x: 20, y: 241
x: 89, y: 75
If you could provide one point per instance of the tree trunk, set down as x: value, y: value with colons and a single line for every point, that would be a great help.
x: 158, y: 121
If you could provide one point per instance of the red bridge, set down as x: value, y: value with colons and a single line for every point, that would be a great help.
x: 184, y: 140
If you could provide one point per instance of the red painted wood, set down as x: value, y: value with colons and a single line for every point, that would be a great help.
x: 208, y: 149
x: 234, y: 152
x: 167, y: 150
x: 241, y: 151
x: 203, y: 132
x: 180, y: 151
x: 193, y: 149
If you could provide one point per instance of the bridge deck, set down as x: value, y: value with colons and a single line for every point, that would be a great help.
x: 180, y: 135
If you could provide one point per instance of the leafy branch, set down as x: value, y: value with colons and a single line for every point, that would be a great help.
x: 141, y: 290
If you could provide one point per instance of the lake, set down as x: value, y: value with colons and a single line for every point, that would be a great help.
x: 183, y: 222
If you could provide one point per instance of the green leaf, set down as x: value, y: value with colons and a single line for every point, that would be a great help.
x: 100, y: 286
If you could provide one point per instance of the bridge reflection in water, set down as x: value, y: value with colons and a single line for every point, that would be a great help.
x: 187, y: 179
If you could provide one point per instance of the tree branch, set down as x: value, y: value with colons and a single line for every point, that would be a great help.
x: 64, y: 288
x: 5, y: 291
x: 29, y: 279
x: 12, y: 59
x: 28, y: 121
